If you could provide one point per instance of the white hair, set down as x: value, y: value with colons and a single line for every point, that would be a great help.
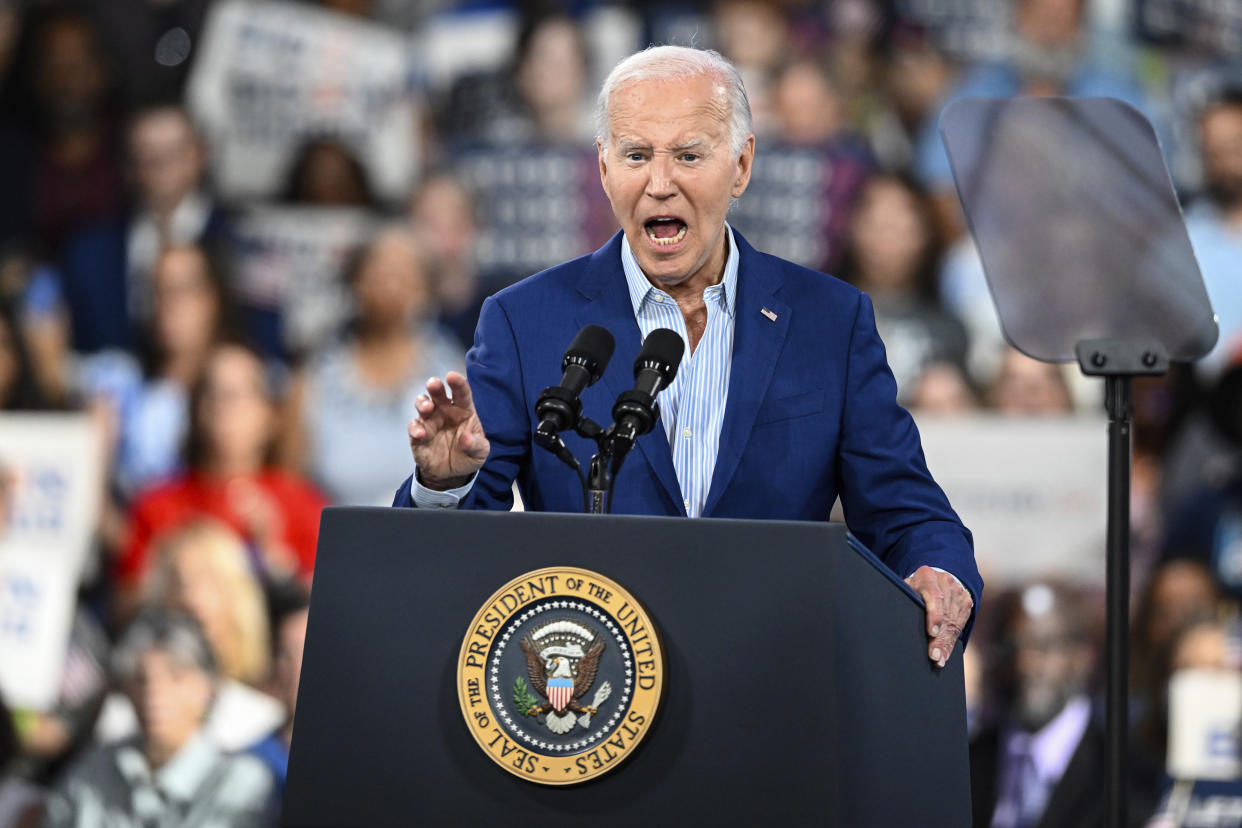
x: 658, y: 63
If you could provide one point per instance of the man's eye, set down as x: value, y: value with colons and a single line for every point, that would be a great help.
x: 690, y: 156
x: 635, y: 156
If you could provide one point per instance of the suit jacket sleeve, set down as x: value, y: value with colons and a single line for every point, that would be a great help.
x: 889, y: 497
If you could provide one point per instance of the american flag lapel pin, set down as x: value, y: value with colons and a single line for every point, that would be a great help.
x: 769, y: 313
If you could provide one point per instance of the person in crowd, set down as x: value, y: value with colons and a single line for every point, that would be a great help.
x: 1205, y: 512
x: 675, y: 147
x: 230, y: 476
x: 1178, y: 592
x: 1214, y: 222
x: 290, y: 612
x: 444, y: 215
x: 1041, y: 763
x: 203, y: 569
x: 60, y: 146
x: 893, y: 257
x: 326, y: 172
x: 755, y: 37
x: 539, y: 98
x: 356, y: 394
x: 1027, y: 386
x: 148, y: 396
x: 170, y: 773
x: 106, y: 270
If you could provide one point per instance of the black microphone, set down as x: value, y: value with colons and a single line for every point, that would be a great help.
x: 584, y: 362
x: 655, y: 368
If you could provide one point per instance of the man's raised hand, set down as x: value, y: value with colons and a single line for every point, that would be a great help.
x: 446, y: 437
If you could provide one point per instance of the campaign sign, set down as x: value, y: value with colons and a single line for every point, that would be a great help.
x: 271, y: 75
x: 1032, y: 490
x: 291, y: 260
x: 53, y: 465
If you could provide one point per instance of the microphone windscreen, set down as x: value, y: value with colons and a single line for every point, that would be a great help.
x: 663, y: 348
x: 591, y: 348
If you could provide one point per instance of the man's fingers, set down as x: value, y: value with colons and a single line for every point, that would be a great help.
x: 438, y: 391
x: 462, y: 396
x: 942, y: 645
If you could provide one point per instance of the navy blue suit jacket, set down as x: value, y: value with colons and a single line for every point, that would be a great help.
x: 812, y: 410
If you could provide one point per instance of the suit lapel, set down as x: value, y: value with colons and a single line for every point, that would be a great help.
x: 608, y: 303
x: 757, y: 341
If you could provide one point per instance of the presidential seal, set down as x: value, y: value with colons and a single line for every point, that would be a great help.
x: 560, y: 675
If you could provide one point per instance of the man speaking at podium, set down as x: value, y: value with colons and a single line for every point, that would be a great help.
x: 783, y: 400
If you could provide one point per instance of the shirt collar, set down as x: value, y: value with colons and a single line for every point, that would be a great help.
x: 641, y: 288
x: 1053, y: 746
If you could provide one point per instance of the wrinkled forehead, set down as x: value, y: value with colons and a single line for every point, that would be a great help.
x: 695, y: 104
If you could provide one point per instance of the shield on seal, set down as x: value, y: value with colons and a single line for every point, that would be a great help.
x: 560, y: 691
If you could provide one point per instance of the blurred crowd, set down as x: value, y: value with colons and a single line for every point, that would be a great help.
x: 247, y: 325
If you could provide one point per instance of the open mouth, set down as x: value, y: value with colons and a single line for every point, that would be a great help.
x: 665, y: 230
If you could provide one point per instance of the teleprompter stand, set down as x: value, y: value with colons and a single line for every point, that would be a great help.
x: 1086, y: 255
x: 797, y: 688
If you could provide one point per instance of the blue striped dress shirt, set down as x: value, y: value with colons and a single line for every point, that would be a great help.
x: 692, y: 408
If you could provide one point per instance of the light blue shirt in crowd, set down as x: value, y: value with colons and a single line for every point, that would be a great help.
x: 692, y: 408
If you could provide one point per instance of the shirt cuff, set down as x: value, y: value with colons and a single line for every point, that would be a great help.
x: 425, y: 498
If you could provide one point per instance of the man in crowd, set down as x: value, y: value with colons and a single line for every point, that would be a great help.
x: 1042, y: 762
x: 783, y: 400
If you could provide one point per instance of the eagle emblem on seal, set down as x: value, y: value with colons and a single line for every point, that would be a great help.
x: 562, y: 658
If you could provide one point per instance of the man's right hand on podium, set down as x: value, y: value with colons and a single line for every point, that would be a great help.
x: 446, y: 437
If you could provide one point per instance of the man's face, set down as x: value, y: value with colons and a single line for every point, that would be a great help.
x: 168, y: 158
x: 670, y: 173
x: 1221, y: 131
x: 1052, y: 666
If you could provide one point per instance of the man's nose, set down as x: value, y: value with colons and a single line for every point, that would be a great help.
x: 662, y: 181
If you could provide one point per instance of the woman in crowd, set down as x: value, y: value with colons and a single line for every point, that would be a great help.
x: 170, y: 773
x: 230, y: 477
x: 893, y: 256
x: 349, y: 408
x: 191, y: 310
x: 203, y: 570
x: 18, y: 389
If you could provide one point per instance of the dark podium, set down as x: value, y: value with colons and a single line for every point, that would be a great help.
x: 796, y: 685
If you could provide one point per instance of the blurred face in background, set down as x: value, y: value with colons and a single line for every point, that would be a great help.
x: 807, y: 105
x: 1180, y: 591
x: 70, y: 78
x: 943, y: 389
x: 1221, y: 133
x: 237, y: 415
x: 197, y: 588
x: 1027, y: 386
x: 329, y: 176
x: 167, y: 155
x: 445, y: 215
x: 1049, y: 22
x: 1052, y: 661
x: 186, y: 308
x: 171, y: 700
x: 391, y: 287
x: 889, y: 237
x: 552, y: 74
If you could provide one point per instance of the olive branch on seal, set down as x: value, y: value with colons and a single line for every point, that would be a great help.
x: 523, y: 698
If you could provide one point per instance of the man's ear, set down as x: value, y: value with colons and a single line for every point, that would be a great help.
x: 744, y: 163
x: 603, y: 163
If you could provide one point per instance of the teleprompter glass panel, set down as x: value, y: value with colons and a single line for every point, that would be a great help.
x: 1074, y: 215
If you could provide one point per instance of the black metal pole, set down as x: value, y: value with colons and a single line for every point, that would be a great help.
x: 1120, y: 404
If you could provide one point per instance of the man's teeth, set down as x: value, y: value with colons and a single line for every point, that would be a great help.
x: 681, y: 234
